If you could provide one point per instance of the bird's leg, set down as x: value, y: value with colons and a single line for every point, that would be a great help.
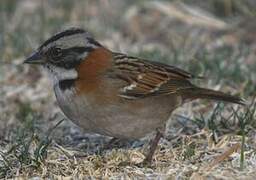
x: 153, y: 146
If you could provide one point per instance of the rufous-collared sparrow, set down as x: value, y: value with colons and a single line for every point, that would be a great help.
x: 114, y: 94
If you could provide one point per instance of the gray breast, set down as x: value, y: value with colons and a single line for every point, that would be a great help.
x: 73, y: 107
x: 116, y: 120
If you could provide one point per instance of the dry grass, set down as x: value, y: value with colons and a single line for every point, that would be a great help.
x: 203, y: 140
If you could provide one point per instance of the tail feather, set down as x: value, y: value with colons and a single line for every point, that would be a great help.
x: 194, y: 93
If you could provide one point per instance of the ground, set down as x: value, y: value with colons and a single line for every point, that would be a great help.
x: 204, y: 140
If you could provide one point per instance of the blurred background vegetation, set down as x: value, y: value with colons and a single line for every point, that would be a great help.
x: 214, y: 38
x: 213, y: 35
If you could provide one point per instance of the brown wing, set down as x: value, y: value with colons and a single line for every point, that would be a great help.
x: 146, y: 78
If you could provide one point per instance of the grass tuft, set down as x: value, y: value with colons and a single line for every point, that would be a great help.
x: 28, y: 148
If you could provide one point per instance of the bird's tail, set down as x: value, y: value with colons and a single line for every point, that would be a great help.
x: 203, y: 93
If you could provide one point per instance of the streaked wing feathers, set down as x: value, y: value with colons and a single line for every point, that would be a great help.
x: 146, y: 78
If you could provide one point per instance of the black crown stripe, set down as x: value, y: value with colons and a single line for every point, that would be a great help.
x: 59, y: 35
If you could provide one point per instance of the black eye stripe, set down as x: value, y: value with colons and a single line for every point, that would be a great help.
x: 65, y: 59
x: 57, y: 52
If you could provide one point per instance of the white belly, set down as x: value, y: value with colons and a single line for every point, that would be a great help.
x: 114, y: 120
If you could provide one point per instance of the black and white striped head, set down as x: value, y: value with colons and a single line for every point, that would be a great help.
x: 65, y: 49
x: 63, y: 52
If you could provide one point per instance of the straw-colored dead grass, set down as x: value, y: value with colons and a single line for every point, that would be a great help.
x: 203, y: 140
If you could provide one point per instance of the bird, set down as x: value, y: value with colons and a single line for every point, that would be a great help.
x: 115, y: 94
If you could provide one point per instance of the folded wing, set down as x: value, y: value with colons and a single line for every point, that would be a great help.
x: 146, y: 78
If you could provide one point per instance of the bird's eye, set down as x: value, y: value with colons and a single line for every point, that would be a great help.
x: 55, y: 53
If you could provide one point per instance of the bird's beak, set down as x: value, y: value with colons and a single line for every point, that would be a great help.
x: 35, y: 58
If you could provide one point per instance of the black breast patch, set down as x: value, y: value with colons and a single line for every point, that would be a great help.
x: 66, y: 84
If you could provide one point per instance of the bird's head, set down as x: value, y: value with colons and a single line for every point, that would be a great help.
x: 63, y: 52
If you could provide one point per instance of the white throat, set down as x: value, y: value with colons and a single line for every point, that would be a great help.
x: 58, y: 73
